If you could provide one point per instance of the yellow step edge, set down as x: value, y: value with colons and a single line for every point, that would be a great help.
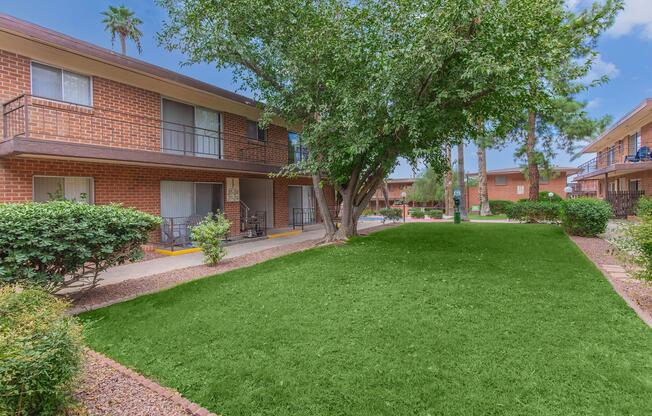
x: 285, y: 234
x: 177, y: 252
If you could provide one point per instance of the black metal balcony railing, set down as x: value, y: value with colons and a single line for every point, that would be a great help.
x: 617, y: 153
x: 27, y: 116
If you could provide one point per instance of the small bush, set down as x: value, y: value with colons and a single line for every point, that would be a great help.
x: 209, y: 235
x: 57, y: 244
x: 585, y: 217
x: 543, y: 196
x: 641, y: 236
x: 417, y: 213
x: 40, y: 352
x: 368, y: 212
x: 644, y: 206
x: 535, y: 212
x: 499, y: 206
x: 391, y: 214
x: 436, y: 214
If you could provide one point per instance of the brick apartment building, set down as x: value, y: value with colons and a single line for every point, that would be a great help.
x: 510, y: 184
x: 616, y: 173
x: 94, y: 125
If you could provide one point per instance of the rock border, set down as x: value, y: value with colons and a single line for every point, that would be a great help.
x: 168, y: 394
x: 617, y: 275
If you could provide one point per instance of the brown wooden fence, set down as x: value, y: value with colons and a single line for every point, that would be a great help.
x: 623, y: 203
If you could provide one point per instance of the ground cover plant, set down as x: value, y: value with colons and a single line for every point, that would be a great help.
x: 421, y: 319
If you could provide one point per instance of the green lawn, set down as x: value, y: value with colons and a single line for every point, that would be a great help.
x: 422, y: 319
x: 473, y: 216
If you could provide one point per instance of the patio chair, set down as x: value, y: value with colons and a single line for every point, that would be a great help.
x: 642, y: 154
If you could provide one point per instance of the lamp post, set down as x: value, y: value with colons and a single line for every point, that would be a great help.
x: 403, y: 196
x: 550, y: 195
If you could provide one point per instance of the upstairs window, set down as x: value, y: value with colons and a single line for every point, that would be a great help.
x: 58, y: 84
x: 634, y: 143
x: 500, y: 180
x: 254, y: 132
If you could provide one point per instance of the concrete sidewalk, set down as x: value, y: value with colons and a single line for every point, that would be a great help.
x: 166, y: 264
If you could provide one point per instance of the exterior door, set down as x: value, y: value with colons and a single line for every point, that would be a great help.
x: 177, y: 132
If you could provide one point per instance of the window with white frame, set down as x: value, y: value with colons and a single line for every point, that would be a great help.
x: 254, y: 132
x: 500, y: 180
x: 58, y: 84
x: 520, y: 190
x: 70, y: 188
x: 634, y: 143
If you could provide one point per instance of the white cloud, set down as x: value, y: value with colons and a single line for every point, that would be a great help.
x: 636, y: 19
x: 594, y: 103
x: 601, y: 68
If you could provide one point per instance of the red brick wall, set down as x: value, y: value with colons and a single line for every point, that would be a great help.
x: 123, y: 116
x: 134, y: 186
x: 14, y: 75
x: 508, y: 191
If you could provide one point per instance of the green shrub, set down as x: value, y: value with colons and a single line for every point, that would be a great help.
x: 40, y: 352
x: 209, y: 235
x: 57, y: 244
x: 435, y: 214
x: 391, y: 214
x: 543, y: 196
x: 644, y: 206
x: 534, y: 212
x: 499, y: 206
x: 368, y: 212
x: 585, y: 217
x: 417, y: 213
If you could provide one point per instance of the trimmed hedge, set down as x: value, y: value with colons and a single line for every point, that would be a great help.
x: 417, y: 213
x: 436, y: 214
x: 499, y: 206
x: 535, y: 212
x: 391, y: 214
x: 543, y: 196
x: 40, y: 353
x: 55, y: 244
x: 586, y: 217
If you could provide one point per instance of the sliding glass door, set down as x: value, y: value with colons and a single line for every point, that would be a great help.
x: 189, y: 130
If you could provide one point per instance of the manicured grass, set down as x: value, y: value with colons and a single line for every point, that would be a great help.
x: 422, y: 319
x: 487, y: 217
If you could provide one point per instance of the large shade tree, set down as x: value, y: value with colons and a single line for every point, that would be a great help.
x: 372, y: 81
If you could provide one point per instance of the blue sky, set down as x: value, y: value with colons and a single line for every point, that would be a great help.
x: 625, y: 55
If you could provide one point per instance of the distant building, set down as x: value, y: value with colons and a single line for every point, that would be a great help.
x: 510, y: 184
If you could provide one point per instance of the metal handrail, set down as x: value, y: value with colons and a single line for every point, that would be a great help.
x: 614, y: 154
x: 52, y: 119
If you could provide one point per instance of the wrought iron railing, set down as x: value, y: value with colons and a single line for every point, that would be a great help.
x: 175, y: 231
x: 38, y: 118
x: 623, y: 203
x: 610, y: 156
x: 302, y: 217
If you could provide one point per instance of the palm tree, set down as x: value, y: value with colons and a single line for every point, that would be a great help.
x: 122, y: 22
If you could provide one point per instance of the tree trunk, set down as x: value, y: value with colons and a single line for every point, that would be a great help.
x: 385, y: 189
x: 355, y: 198
x: 123, y: 44
x: 532, y: 165
x: 460, y: 181
x: 448, y: 184
x: 322, y: 204
x: 483, y: 191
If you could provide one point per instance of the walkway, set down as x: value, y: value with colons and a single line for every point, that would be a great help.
x: 166, y: 264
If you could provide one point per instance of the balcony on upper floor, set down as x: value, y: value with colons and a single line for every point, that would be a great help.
x: 614, y: 161
x: 34, y: 126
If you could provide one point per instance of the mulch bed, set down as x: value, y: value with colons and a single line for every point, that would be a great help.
x: 636, y: 292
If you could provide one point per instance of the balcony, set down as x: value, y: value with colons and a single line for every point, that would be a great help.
x: 615, y: 160
x: 36, y: 126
